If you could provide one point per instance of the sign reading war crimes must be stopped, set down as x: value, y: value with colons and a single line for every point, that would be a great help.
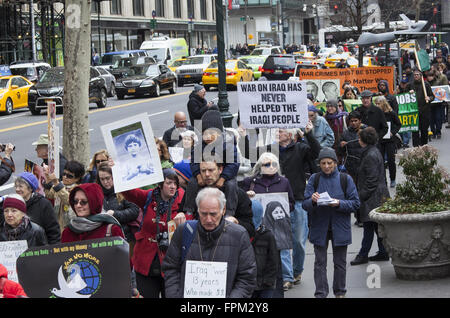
x: 274, y: 104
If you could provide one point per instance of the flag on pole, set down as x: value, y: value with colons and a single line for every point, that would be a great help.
x: 423, y: 60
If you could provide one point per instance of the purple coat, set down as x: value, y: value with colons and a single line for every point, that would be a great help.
x: 269, y: 184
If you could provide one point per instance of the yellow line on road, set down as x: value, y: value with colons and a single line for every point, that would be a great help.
x: 95, y: 111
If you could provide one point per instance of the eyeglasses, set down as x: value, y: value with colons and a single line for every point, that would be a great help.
x: 181, y: 121
x: 81, y: 202
x: 268, y: 164
x: 68, y: 175
x: 100, y: 161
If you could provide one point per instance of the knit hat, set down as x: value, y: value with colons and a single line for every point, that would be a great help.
x: 183, y: 169
x: 327, y: 152
x: 366, y: 93
x: 93, y: 192
x: 198, y: 87
x: 212, y: 119
x: 312, y: 108
x: 30, y: 179
x: 43, y: 140
x: 15, y: 201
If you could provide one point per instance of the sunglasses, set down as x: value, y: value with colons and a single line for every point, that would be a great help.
x: 100, y: 161
x: 68, y: 175
x: 267, y: 165
x: 81, y: 202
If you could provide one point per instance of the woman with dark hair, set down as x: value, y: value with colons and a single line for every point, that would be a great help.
x: 160, y: 206
x: 337, y: 120
x: 99, y: 157
x: 349, y: 93
x: 60, y: 191
x: 372, y: 192
x: 115, y: 204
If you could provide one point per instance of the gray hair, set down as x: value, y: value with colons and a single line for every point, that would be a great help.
x: 209, y: 192
x: 22, y: 181
x: 264, y: 157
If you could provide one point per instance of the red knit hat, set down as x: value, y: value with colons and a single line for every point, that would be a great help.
x: 15, y: 201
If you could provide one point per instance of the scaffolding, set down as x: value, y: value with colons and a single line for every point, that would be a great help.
x: 16, y: 29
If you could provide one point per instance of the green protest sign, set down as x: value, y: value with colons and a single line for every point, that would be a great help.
x: 408, y: 112
x: 349, y: 105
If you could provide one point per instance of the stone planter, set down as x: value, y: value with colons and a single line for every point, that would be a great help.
x: 418, y: 244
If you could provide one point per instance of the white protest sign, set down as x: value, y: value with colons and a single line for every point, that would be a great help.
x: 273, y: 104
x: 9, y: 252
x: 205, y: 279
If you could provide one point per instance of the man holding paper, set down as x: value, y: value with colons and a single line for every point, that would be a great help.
x: 330, y: 198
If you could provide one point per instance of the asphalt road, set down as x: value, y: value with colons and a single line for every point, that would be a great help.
x: 22, y: 129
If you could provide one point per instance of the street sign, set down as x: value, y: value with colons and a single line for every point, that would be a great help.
x: 153, y: 14
x: 153, y: 24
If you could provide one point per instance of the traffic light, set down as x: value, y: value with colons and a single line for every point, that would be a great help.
x: 336, y: 9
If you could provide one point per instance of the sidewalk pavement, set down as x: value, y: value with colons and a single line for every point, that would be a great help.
x: 361, y: 276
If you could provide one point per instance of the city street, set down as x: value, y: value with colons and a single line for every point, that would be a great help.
x: 22, y: 129
x: 360, y: 277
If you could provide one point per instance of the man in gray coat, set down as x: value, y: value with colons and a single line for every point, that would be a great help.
x: 214, y: 240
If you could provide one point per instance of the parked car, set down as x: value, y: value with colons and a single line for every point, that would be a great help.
x: 255, y: 62
x: 121, y: 67
x: 110, y: 81
x: 51, y: 88
x: 237, y: 71
x: 32, y: 71
x: 266, y: 51
x: 278, y: 67
x: 13, y: 93
x: 192, y: 70
x: 110, y: 58
x: 146, y: 79
x: 367, y: 61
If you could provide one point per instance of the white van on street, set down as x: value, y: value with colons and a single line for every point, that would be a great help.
x: 166, y: 50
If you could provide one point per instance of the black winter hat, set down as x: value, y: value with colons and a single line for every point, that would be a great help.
x: 212, y: 119
x: 327, y: 152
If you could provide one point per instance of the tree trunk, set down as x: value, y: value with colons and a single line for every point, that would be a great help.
x: 76, y: 82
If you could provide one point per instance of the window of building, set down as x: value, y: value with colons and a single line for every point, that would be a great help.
x: 190, y: 9
x: 116, y: 7
x: 159, y: 8
x: 203, y: 14
x: 138, y: 7
x: 176, y: 8
x: 95, y: 7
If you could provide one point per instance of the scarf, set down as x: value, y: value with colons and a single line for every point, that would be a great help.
x: 337, y: 119
x: 81, y: 225
x: 13, y: 233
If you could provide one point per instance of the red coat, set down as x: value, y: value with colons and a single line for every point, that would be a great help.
x: 9, y: 288
x: 145, y: 248
x: 69, y: 236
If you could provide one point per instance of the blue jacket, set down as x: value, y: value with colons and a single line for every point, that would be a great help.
x: 338, y: 219
x: 323, y: 132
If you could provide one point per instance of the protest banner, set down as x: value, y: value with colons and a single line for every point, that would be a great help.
x: 131, y: 144
x: 84, y: 269
x: 205, y: 279
x: 361, y: 77
x: 274, y: 104
x: 38, y: 172
x: 408, y: 112
x: 349, y: 105
x: 441, y: 93
x: 9, y: 252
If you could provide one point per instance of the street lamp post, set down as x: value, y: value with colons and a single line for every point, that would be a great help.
x: 223, y: 103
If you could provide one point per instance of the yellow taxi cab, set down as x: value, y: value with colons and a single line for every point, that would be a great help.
x: 173, y: 67
x: 13, y: 93
x: 368, y: 61
x: 237, y: 71
x: 332, y: 60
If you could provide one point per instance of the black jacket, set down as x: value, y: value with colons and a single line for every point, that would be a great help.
x: 374, y: 117
x: 6, y: 169
x: 424, y: 107
x: 197, y: 106
x: 352, y: 151
x: 392, y: 117
x: 266, y: 254
x: 372, y: 189
x: 125, y: 212
x: 389, y: 97
x: 34, y: 235
x: 294, y: 160
x: 228, y: 243
x: 41, y: 212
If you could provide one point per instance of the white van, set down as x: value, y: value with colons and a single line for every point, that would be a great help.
x: 166, y: 50
x: 31, y: 70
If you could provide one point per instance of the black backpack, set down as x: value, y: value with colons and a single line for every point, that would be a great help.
x: 343, y: 179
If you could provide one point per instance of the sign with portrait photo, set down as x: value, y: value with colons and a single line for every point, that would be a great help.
x: 276, y: 217
x: 131, y: 144
x: 441, y: 93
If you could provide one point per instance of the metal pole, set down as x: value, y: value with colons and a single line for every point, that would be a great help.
x: 98, y: 27
x: 33, y: 31
x: 227, y: 44
x: 246, y: 27
x: 223, y: 103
